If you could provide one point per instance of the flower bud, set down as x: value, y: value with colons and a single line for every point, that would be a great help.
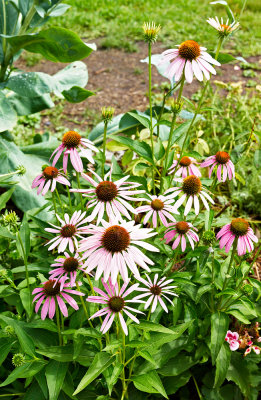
x: 107, y: 113
x: 208, y: 237
x: 176, y: 106
x: 20, y: 170
x: 150, y: 31
x: 9, y: 331
x: 18, y: 359
x: 247, y: 289
x: 10, y: 219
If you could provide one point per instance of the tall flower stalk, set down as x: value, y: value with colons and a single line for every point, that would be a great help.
x: 107, y: 114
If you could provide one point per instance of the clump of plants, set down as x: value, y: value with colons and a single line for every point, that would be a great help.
x: 132, y: 280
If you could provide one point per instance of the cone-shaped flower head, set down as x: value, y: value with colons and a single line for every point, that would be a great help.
x: 223, y: 29
x: 179, y: 232
x: 222, y: 160
x: 48, y: 180
x: 186, y: 166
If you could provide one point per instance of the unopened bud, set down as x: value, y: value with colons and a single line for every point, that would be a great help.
x: 247, y: 289
x: 107, y: 113
x: 208, y: 237
x: 20, y: 170
x: 9, y: 331
x: 18, y: 359
x: 150, y: 31
x: 176, y: 106
x: 10, y: 219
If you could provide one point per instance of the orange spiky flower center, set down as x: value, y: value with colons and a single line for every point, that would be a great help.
x: 191, y: 185
x: 116, y: 303
x: 50, y: 172
x: 185, y: 161
x: 182, y: 227
x: 68, y: 230
x: 239, y: 226
x: 70, y: 264
x: 222, y: 157
x: 71, y: 139
x: 157, y: 204
x: 52, y: 288
x: 116, y: 239
x: 106, y: 191
x: 189, y: 50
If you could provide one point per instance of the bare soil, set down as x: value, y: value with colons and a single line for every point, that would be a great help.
x: 121, y: 80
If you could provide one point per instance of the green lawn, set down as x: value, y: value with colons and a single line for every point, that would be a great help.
x: 120, y: 21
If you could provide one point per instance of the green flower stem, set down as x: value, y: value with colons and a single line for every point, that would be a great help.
x: 197, y: 388
x: 229, y: 269
x: 11, y: 394
x: 58, y: 323
x: 182, y: 81
x: 79, y: 187
x: 199, y: 105
x: 84, y: 306
x: 59, y: 199
x: 25, y: 261
x: 124, y: 386
x: 69, y: 197
x: 151, y: 127
x: 54, y: 204
x: 28, y: 19
x: 212, y: 280
x: 4, y: 27
x: 104, y: 148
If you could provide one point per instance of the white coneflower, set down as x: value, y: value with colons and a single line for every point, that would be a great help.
x: 224, y: 29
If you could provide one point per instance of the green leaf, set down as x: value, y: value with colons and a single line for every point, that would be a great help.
x: 152, y: 326
x: 202, y: 290
x: 66, y: 353
x: 55, y: 374
x: 238, y: 315
x: 5, y: 347
x: 55, y: 44
x: 58, y: 9
x: 77, y: 94
x: 25, y: 237
x: 141, y: 148
x: 158, y: 339
x: 117, y: 370
x: 219, y: 327
x: 30, y: 84
x: 143, y: 120
x: 257, y: 159
x: 7, y: 114
x: 222, y: 364
x: 26, y: 298
x: 25, y: 105
x: 173, y: 383
x: 223, y: 58
x: 5, y: 197
x: 159, y: 150
x: 177, y: 365
x: 25, y: 340
x: 239, y: 373
x: 4, y: 232
x: 149, y: 383
x: 147, y: 356
x: 25, y: 371
x: 100, y: 363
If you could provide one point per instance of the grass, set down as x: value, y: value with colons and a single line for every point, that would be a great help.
x: 120, y: 22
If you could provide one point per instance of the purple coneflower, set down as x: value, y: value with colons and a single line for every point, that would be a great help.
x: 224, y: 29
x: 240, y: 230
x: 221, y: 159
x: 186, y: 166
x: 156, y: 290
x: 113, y: 247
x: 51, y: 292
x: 191, y: 58
x: 48, y: 179
x: 71, y: 143
x: 191, y: 190
x: 67, y: 267
x: 69, y: 231
x: 110, y: 197
x: 181, y: 230
x: 159, y: 207
x: 115, y: 304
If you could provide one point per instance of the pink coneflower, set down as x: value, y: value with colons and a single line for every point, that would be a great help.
x: 224, y: 29
x: 71, y: 143
x: 115, y: 304
x: 233, y: 340
x: 159, y: 207
x: 191, y: 58
x: 69, y: 231
x: 182, y: 230
x: 191, y: 190
x: 109, y: 197
x: 48, y: 178
x: 221, y: 159
x: 156, y: 290
x: 54, y: 291
x: 112, y: 248
x: 238, y: 229
x: 67, y: 267
x: 186, y: 167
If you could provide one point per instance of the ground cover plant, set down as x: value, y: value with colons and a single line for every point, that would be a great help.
x: 129, y: 268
